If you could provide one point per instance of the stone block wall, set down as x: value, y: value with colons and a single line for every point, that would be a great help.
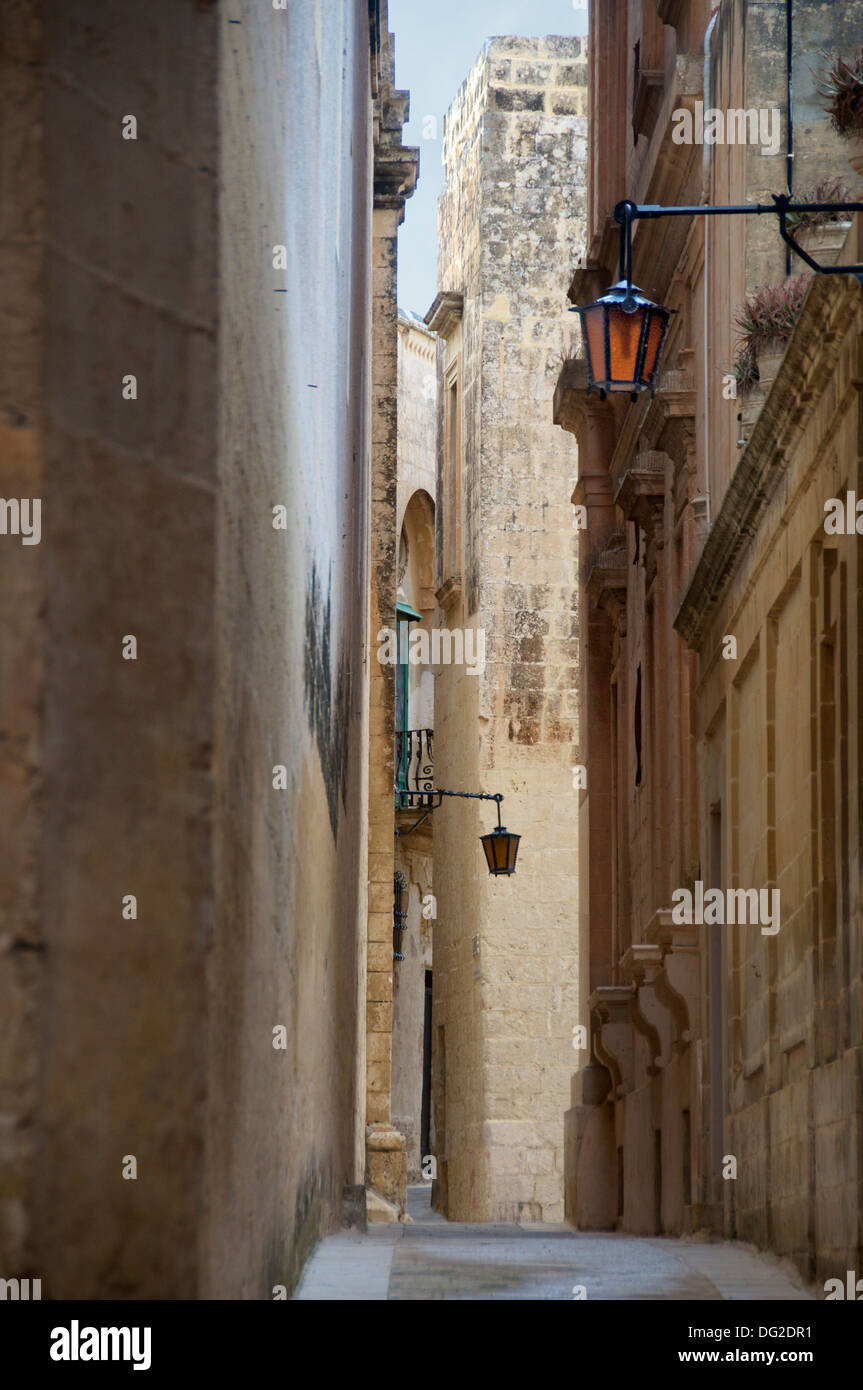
x: 153, y: 1036
x: 506, y: 970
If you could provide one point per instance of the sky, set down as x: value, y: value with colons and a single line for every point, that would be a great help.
x: 437, y: 44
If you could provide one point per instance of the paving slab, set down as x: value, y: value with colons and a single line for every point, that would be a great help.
x: 430, y: 1258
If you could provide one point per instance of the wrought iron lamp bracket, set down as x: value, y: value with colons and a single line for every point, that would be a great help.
x: 627, y: 211
x: 440, y: 793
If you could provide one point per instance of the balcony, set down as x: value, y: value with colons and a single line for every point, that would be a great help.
x: 414, y: 769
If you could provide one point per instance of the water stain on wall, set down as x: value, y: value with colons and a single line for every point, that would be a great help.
x: 327, y: 702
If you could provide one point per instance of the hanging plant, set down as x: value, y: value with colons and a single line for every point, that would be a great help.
x: 769, y: 315
x: 826, y: 191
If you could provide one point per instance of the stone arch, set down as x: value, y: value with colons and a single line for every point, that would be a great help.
x: 416, y: 552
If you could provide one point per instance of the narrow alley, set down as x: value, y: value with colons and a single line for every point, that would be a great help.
x: 432, y: 1258
x: 431, y: 675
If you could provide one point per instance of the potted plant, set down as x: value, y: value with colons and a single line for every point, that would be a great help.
x: 822, y: 234
x: 767, y: 321
x: 842, y: 89
x: 745, y: 372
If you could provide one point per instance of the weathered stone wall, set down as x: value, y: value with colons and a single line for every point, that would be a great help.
x: 110, y: 759
x: 734, y: 766
x: 153, y: 1036
x: 506, y: 977
x: 789, y: 758
x: 291, y: 621
x: 22, y: 589
x: 395, y: 173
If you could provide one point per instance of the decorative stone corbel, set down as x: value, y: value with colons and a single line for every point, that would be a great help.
x: 676, y: 985
x: 605, y: 581
x: 611, y: 1019
x: 640, y: 964
x: 641, y: 493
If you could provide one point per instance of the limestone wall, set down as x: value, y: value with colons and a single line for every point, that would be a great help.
x: 153, y: 1036
x: 506, y: 981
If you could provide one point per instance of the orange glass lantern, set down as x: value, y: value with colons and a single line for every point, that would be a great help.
x: 623, y: 334
x: 501, y: 850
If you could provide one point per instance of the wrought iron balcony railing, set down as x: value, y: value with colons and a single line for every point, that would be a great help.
x: 414, y: 768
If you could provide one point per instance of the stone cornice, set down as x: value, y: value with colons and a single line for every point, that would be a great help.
x: 445, y: 312
x: 809, y: 362
x: 395, y: 175
x: 572, y: 405
x: 591, y: 280
x: 396, y: 166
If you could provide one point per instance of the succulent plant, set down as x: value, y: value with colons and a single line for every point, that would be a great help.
x: 769, y: 315
x: 842, y: 89
x: 745, y: 369
x: 825, y: 191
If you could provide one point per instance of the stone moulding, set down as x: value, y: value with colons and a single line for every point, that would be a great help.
x: 647, y: 99
x: 611, y: 1020
x: 449, y: 593
x: 570, y: 394
x: 641, y: 491
x: 674, y: 400
x: 671, y: 11
x: 396, y: 166
x: 605, y: 583
x: 445, y: 312
x: 810, y: 360
x: 640, y: 964
x: 677, y: 983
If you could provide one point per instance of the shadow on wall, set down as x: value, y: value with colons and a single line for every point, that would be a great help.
x: 329, y: 718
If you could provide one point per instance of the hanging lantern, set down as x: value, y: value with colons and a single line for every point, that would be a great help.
x: 501, y: 850
x: 623, y: 334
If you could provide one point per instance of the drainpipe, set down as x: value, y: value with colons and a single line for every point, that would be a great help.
x: 705, y: 174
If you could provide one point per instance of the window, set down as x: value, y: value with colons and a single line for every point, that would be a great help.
x: 400, y: 912
x: 405, y: 615
x: 451, y: 558
x: 648, y: 73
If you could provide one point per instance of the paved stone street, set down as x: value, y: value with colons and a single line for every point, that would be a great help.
x: 433, y: 1258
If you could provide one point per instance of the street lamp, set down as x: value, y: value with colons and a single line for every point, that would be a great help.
x: 624, y: 331
x: 623, y: 335
x: 500, y: 846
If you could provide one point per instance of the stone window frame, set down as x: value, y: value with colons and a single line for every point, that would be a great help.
x: 648, y: 71
x: 453, y: 465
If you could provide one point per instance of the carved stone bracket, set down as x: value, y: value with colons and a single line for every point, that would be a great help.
x: 605, y: 582
x: 677, y: 983
x: 641, y: 493
x: 611, y: 1020
x: 640, y: 964
x: 674, y: 400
